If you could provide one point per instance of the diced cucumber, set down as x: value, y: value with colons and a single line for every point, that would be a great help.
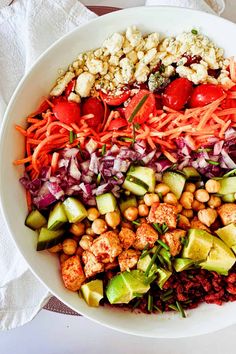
x: 106, y: 203
x: 140, y: 180
x: 35, y: 220
x: 227, y: 185
x: 175, y: 181
x: 57, y: 217
x: 191, y: 173
x: 74, y: 209
x: 127, y: 202
x: 228, y: 198
x: 48, y: 238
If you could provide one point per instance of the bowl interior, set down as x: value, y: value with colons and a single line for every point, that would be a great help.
x: 29, y: 93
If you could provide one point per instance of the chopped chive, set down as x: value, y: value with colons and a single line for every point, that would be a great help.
x: 162, y: 68
x: 216, y: 163
x: 173, y: 307
x: 168, y: 292
x: 144, y: 254
x: 116, y: 178
x: 161, y: 259
x: 99, y: 176
x: 124, y: 138
x: 138, y: 181
x: 167, y: 298
x: 180, y: 309
x: 136, y: 222
x: 137, y: 108
x: 136, y: 126
x: 146, y: 247
x: 157, y: 308
x: 164, y: 228
x: 230, y: 173
x: 71, y: 137
x: 104, y: 149
x: 152, y: 261
x: 157, y: 227
x: 150, y: 303
x: 160, y: 196
x: 137, y: 303
x: 204, y: 150
x: 138, y: 295
x: 194, y: 31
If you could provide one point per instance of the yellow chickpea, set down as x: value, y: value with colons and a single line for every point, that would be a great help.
x: 93, y: 214
x: 86, y: 242
x: 113, y: 219
x: 63, y: 257
x: 179, y: 208
x: 150, y: 198
x: 90, y: 232
x: 186, y: 200
x: 188, y: 213
x: 207, y: 216
x: 196, y: 205
x: 212, y: 186
x: 214, y: 202
x: 99, y: 226
x: 190, y: 187
x: 162, y: 188
x: 69, y: 246
x: 56, y: 248
x: 170, y: 198
x: 131, y: 213
x: 77, y: 229
x: 202, y: 195
x: 143, y: 210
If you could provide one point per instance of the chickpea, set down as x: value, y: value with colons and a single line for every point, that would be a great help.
x: 69, y: 246
x: 63, y: 257
x: 207, y: 216
x: 212, y: 186
x: 90, y: 232
x: 113, y: 219
x: 86, y: 242
x: 190, y: 187
x: 162, y: 188
x: 170, y: 198
x: 179, y: 208
x: 186, y: 200
x: 150, y: 198
x: 93, y: 214
x: 202, y: 195
x: 141, y: 201
x: 196, y: 205
x: 56, y: 248
x: 188, y: 213
x: 143, y: 210
x: 77, y: 229
x: 99, y: 226
x: 214, y: 202
x: 131, y: 213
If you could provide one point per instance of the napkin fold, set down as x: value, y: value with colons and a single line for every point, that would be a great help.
x: 27, y: 28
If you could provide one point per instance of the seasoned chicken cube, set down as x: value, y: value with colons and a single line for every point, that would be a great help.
x: 197, y: 224
x: 106, y: 247
x: 163, y: 213
x: 109, y: 266
x: 227, y: 213
x: 145, y: 235
x: 72, y: 273
x: 127, y: 237
x: 91, y: 265
x: 128, y: 259
x: 173, y: 240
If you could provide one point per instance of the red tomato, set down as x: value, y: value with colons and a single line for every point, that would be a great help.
x: 113, y: 100
x: 205, y: 94
x: 93, y: 105
x: 177, y: 93
x: 144, y: 111
x: 70, y: 87
x: 117, y: 124
x: 65, y: 111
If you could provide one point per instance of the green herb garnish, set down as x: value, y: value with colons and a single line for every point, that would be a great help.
x: 99, y: 176
x: 230, y: 173
x: 136, y: 222
x: 104, y: 149
x: 204, y: 150
x: 71, y: 137
x: 163, y: 244
x: 216, y: 163
x: 180, y: 309
x: 136, y: 304
x: 157, y: 308
x: 150, y: 303
x: 137, y: 108
x: 154, y: 257
x: 194, y: 31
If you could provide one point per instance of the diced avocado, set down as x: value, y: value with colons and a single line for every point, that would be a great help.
x: 191, y: 173
x: 162, y: 276
x: 140, y: 180
x: 228, y: 198
x: 227, y: 185
x: 234, y: 248
x: 35, y: 220
x: 92, y: 292
x: 143, y: 263
x: 198, y: 246
x: 106, y: 203
x: 57, y: 217
x: 228, y: 234
x: 220, y: 258
x: 48, y: 238
x: 175, y: 181
x: 128, y: 202
x: 167, y: 257
x: 125, y: 286
x: 181, y: 264
x: 74, y: 209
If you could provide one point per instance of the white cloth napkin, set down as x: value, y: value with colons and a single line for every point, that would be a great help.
x: 212, y: 6
x: 27, y: 28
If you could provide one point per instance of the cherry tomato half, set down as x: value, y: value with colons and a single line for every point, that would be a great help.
x: 93, y: 105
x: 144, y: 110
x: 70, y: 87
x: 113, y: 100
x: 177, y: 93
x: 205, y: 94
x: 117, y: 124
x: 65, y: 111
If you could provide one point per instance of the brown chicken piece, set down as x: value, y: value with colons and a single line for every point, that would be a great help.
x: 163, y: 213
x: 127, y: 237
x: 227, y: 213
x: 91, y: 264
x: 106, y: 247
x: 72, y: 273
x: 128, y: 259
x: 173, y: 240
x: 145, y: 234
x: 197, y: 224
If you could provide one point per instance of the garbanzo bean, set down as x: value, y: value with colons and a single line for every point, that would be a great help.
x: 99, y: 226
x: 179, y: 208
x: 113, y: 219
x: 214, y: 201
x: 77, y: 229
x: 207, y: 216
x: 188, y: 213
x: 196, y: 205
x: 190, y: 187
x: 212, y: 186
x: 89, y: 231
x: 186, y: 200
x: 150, y: 198
x: 162, y: 188
x: 86, y: 242
x: 143, y: 210
x: 202, y: 195
x: 170, y: 198
x: 131, y: 213
x: 93, y: 214
x: 69, y: 246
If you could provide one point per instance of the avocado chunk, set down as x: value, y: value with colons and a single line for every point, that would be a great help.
x: 92, y: 292
x: 57, y: 217
x: 191, y: 173
x: 74, y: 210
x: 106, y: 203
x: 175, y: 181
x: 35, y: 220
x: 140, y: 180
x: 127, y: 202
x: 220, y: 258
x: 198, y: 246
x: 126, y: 286
x: 228, y: 198
x: 228, y: 234
x: 227, y: 185
x: 181, y: 264
x: 162, y: 276
x: 144, y: 262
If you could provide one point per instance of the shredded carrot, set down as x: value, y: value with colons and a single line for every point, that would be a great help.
x: 21, y: 130
x: 29, y: 201
x: 54, y: 162
x: 23, y: 161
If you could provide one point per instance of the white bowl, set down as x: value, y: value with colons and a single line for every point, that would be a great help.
x: 37, y: 83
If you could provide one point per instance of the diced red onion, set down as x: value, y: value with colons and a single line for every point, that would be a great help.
x: 74, y: 169
x: 91, y: 146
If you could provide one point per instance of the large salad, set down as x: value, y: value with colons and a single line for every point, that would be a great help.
x: 130, y: 173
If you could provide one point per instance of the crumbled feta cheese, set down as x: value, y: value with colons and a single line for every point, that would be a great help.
x: 134, y: 36
x: 197, y: 73
x: 149, y: 56
x: 84, y: 84
x: 114, y: 43
x: 62, y: 83
x: 73, y: 97
x: 114, y: 60
x: 127, y: 70
x: 152, y: 41
x: 169, y: 71
x: 141, y: 72
x: 133, y: 56
x: 94, y: 66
